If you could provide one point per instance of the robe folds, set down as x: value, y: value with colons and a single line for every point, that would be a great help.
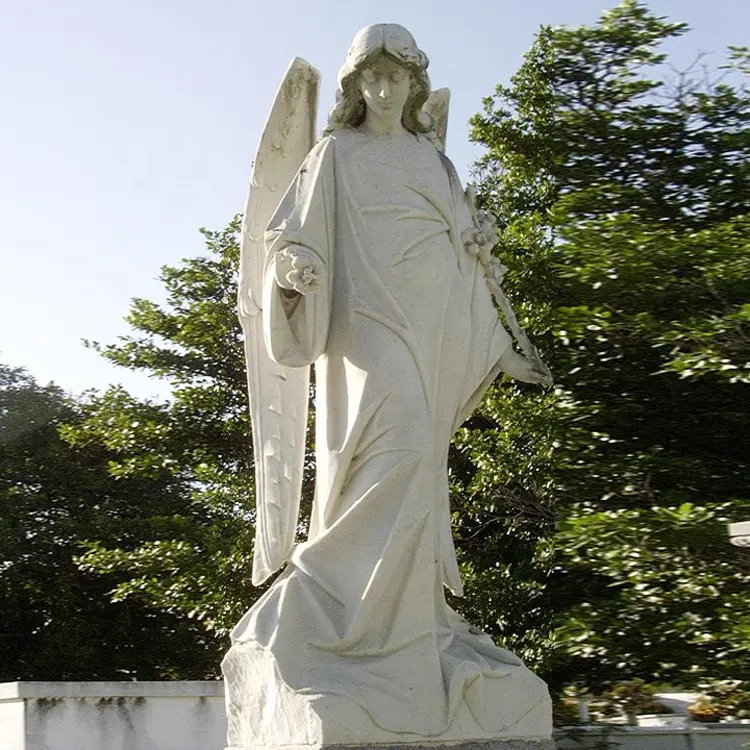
x: 405, y: 339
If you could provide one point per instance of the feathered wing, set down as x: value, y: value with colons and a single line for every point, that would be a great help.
x: 437, y: 106
x: 278, y: 394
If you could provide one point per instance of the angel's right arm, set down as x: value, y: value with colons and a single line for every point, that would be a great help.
x: 296, y: 325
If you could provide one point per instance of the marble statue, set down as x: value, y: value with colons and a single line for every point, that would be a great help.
x: 363, y: 256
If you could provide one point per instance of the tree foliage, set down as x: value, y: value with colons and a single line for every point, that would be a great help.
x: 56, y: 621
x: 195, y: 562
x: 623, y: 195
x: 589, y: 518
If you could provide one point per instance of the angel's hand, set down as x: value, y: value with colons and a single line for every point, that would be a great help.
x: 297, y: 269
x: 522, y: 368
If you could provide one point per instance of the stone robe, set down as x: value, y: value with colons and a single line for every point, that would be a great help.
x: 405, y: 339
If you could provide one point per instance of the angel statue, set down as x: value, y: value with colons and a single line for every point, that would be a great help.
x: 363, y: 256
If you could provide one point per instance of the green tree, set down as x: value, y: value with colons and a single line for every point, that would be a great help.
x: 588, y: 519
x: 193, y: 562
x: 624, y: 207
x: 56, y: 621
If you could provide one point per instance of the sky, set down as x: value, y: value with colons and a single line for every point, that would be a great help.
x: 125, y: 125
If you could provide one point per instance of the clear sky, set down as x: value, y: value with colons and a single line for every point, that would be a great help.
x: 127, y: 124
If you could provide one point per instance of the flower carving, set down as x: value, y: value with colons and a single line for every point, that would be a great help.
x: 480, y: 239
x: 297, y: 269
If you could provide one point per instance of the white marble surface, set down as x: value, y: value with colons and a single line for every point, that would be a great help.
x: 263, y: 712
x: 375, y: 269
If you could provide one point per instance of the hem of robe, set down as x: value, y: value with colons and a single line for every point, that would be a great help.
x: 457, y: 693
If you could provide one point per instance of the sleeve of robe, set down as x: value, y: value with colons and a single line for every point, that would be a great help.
x: 296, y: 329
x: 489, y: 337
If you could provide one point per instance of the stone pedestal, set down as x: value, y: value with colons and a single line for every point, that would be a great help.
x: 479, y: 745
x: 264, y: 714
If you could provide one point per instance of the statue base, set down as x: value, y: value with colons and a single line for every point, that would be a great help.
x: 265, y: 714
x: 478, y: 745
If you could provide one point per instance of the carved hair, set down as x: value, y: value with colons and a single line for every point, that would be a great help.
x: 370, y: 45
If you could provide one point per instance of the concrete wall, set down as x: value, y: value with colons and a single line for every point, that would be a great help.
x: 11, y: 725
x: 190, y: 716
x: 112, y: 716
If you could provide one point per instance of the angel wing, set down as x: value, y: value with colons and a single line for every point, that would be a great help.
x: 278, y: 395
x: 436, y: 107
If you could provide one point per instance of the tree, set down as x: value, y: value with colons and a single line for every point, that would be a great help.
x: 624, y: 207
x: 57, y: 622
x: 194, y: 561
x: 588, y: 519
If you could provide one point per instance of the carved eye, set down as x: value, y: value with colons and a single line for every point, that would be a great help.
x: 368, y: 76
x: 397, y: 76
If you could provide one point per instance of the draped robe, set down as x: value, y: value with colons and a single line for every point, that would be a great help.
x: 405, y: 339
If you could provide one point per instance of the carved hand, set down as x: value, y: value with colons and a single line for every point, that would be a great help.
x: 297, y: 269
x: 522, y: 368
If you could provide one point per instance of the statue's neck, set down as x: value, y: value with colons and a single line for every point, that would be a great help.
x: 375, y: 125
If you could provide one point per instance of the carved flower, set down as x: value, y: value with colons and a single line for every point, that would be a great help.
x: 300, y: 270
x: 469, y: 240
x: 303, y: 277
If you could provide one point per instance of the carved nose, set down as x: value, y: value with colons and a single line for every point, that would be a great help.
x: 385, y: 89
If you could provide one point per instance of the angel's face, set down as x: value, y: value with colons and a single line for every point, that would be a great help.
x: 385, y: 86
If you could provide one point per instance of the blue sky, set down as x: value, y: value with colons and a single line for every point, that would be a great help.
x: 127, y: 124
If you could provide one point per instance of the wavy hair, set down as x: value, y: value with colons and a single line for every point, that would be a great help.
x: 349, y: 110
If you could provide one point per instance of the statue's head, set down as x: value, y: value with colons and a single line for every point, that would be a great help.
x: 385, y: 51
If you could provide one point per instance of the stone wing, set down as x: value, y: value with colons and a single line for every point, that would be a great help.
x: 436, y: 107
x: 278, y: 395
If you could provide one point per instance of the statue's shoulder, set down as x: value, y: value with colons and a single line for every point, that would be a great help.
x: 345, y: 139
x: 447, y: 163
x: 331, y: 143
x: 426, y: 141
x: 322, y: 146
